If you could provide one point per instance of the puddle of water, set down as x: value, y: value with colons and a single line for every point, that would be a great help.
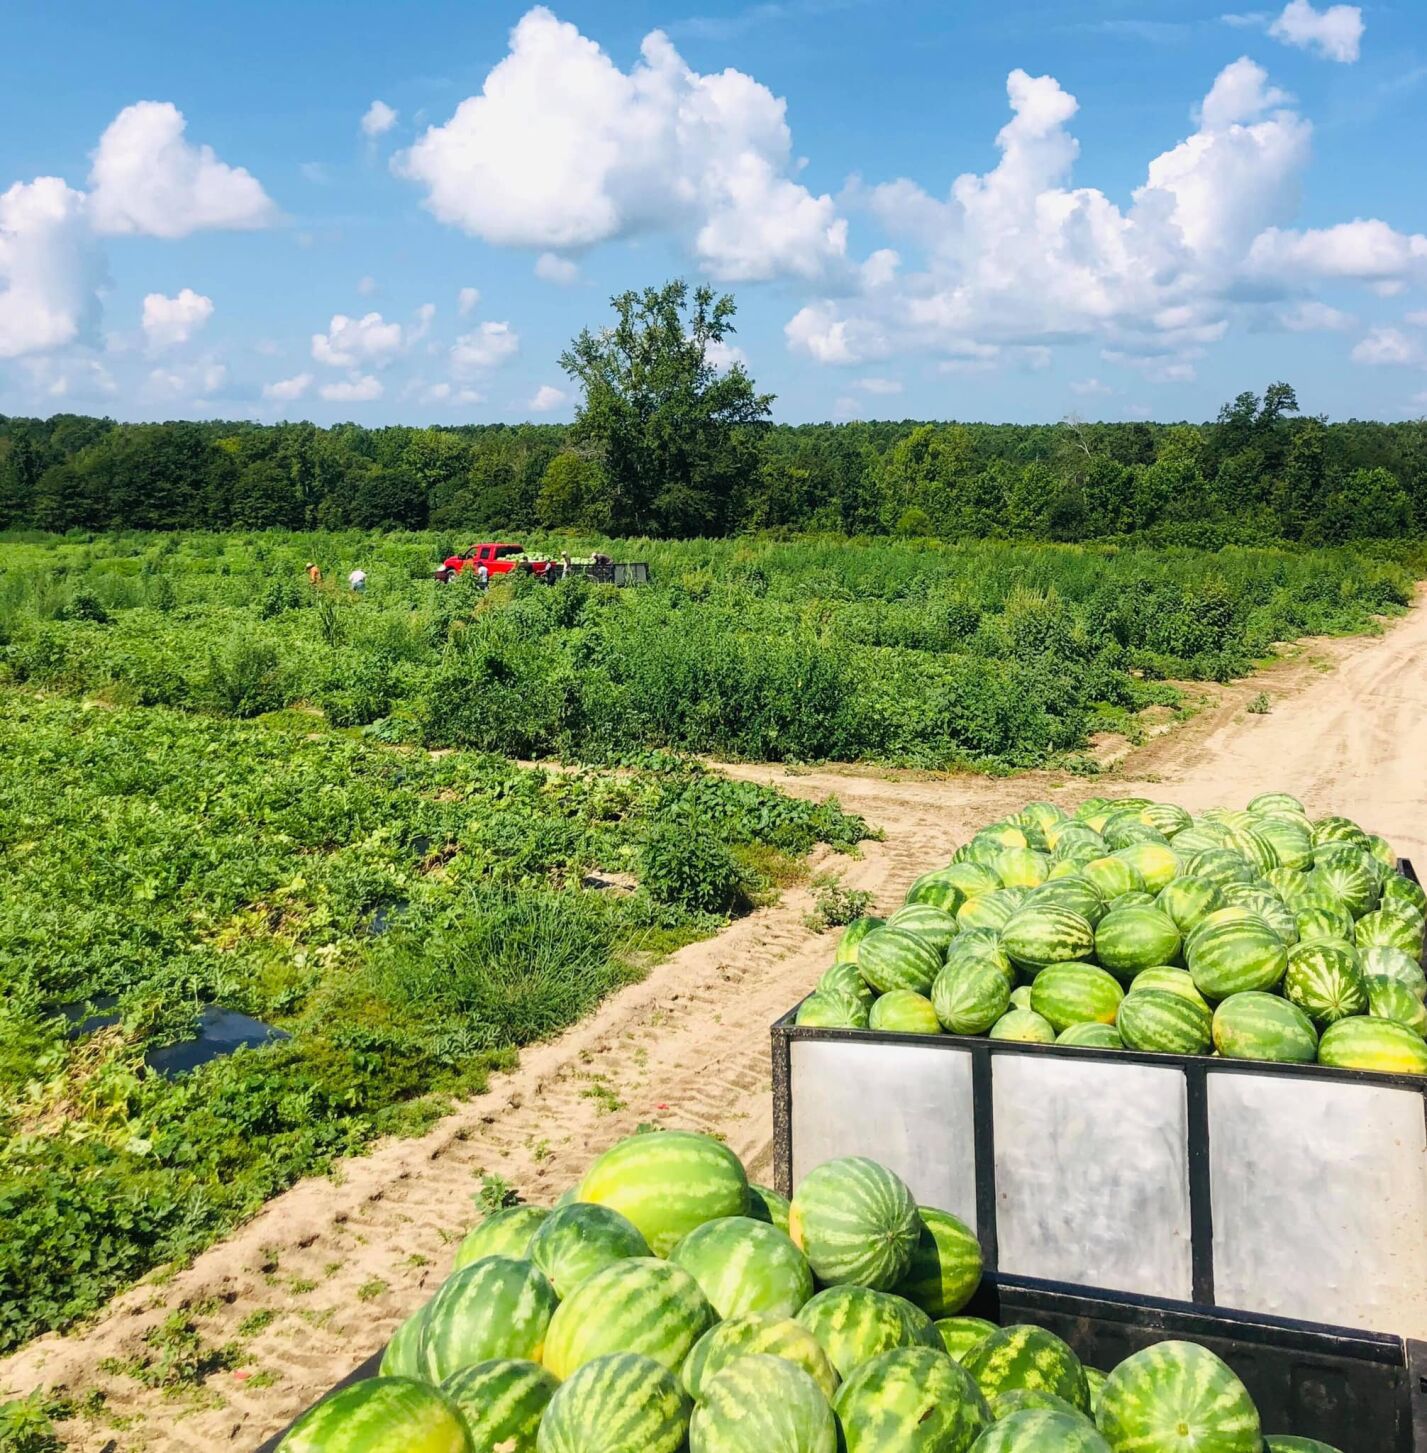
x: 220, y: 1032
x: 87, y: 1015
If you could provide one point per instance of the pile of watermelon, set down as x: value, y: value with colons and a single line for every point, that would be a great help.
x: 1128, y: 924
x: 665, y: 1304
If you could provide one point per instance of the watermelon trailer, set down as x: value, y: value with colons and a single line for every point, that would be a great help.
x: 1168, y: 1056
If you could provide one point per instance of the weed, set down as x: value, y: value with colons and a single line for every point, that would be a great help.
x: 495, y: 1194
x: 1261, y: 705
x: 834, y: 904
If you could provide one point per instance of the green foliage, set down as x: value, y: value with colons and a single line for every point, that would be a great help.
x: 690, y: 871
x: 835, y: 904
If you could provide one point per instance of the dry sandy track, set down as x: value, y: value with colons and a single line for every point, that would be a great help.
x: 336, y: 1263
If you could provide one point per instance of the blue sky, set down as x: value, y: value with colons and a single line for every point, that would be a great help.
x: 1008, y: 212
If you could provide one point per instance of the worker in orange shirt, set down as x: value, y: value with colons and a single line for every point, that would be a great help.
x: 313, y: 573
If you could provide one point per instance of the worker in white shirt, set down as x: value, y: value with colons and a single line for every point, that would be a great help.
x: 358, y: 580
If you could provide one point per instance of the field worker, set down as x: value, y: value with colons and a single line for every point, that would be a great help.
x: 358, y: 580
x: 313, y: 573
x: 482, y: 575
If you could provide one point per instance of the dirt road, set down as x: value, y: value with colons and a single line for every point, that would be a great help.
x: 320, y: 1278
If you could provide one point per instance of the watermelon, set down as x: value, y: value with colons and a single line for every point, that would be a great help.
x: 1046, y: 933
x: 970, y: 998
x: 853, y: 1324
x: 1168, y: 818
x: 937, y: 890
x: 912, y: 1399
x: 1044, y: 815
x: 855, y: 1222
x: 1391, y: 963
x: 1349, y: 878
x: 1382, y: 852
x: 1324, y: 980
x: 1068, y: 862
x: 980, y: 946
x: 935, y: 925
x: 990, y: 910
x: 904, y: 1011
x: 1285, y: 882
x: 1230, y: 958
x: 1221, y: 867
x: 960, y: 1334
x: 1155, y: 862
x: 1068, y: 892
x: 1187, y: 900
x: 638, y: 1305
x: 496, y: 1307
x: 1397, y: 888
x: 1021, y: 997
x: 762, y: 1404
x: 579, y: 1240
x: 506, y: 1232
x: 768, y: 1206
x: 972, y: 878
x: 402, y: 1355
x: 381, y: 1415
x: 502, y: 1402
x: 890, y: 959
x: 1192, y: 841
x: 946, y: 1265
x: 1263, y: 1026
x: 667, y: 1182
x: 1379, y: 1045
x: 1267, y: 906
x: 1091, y: 1036
x: 1040, y: 1430
x: 1177, y: 1397
x: 1387, y: 999
x: 1028, y: 1357
x: 1253, y: 848
x: 1172, y: 981
x: 1158, y: 1022
x: 1096, y: 1380
x: 1133, y: 899
x: 1111, y: 876
x: 1131, y: 939
x: 1020, y: 867
x: 1025, y: 1026
x: 1385, y: 929
x: 1321, y: 922
x: 744, y: 1267
x: 852, y: 936
x: 1291, y: 842
x: 726, y: 1342
x: 1338, y: 830
x: 1272, y: 802
x: 844, y: 978
x: 616, y: 1404
x: 832, y: 1009
x: 1019, y: 1399
x: 1285, y: 1443
x: 1067, y: 994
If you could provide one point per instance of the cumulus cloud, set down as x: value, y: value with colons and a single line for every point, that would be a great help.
x: 1387, y: 346
x: 1335, y: 33
x: 192, y: 381
x: 168, y: 322
x: 550, y: 267
x: 49, y: 268
x: 486, y: 346
x: 880, y: 386
x: 466, y: 301
x: 285, y: 390
x: 1088, y: 388
x: 1312, y: 316
x: 563, y: 149
x: 722, y: 355
x: 378, y: 119
x: 147, y: 178
x: 449, y: 393
x: 352, y: 342
x: 545, y: 398
x: 1363, y: 250
x: 360, y: 389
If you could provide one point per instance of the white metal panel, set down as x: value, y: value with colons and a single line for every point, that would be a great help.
x: 908, y: 1108
x: 1320, y: 1200
x: 1092, y: 1173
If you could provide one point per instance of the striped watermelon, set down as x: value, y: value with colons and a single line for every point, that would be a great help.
x: 1230, y: 958
x: 1379, y: 1045
x: 1397, y: 888
x: 744, y: 1267
x: 1172, y: 981
x: 1253, y: 848
x: 1291, y: 842
x: 845, y: 979
x: 1020, y: 867
x: 970, y: 999
x: 853, y: 1324
x: 1271, y: 802
x: 638, y: 1305
x: 1263, y: 1026
x: 502, y: 1402
x: 1187, y: 901
x: 1267, y: 906
x: 506, y: 1232
x: 1136, y: 898
x: 1044, y: 815
x: 1155, y: 862
x: 1384, y: 929
x: 1285, y: 1443
x: 1338, y: 830
x: 1391, y: 963
x: 1024, y: 1026
x: 1021, y: 997
x: 1131, y: 939
x: 1387, y: 999
x: 1096, y: 1381
x: 1203, y: 837
x: 1028, y: 1357
x: 938, y: 891
x: 1168, y: 818
x: 960, y: 1334
x: 402, y: 1355
x: 890, y: 959
x: 762, y: 1404
x: 1382, y: 852
x: 904, y: 1011
x: 1091, y: 1036
x: 1177, y: 1397
x: 972, y: 878
x: 768, y: 1206
x: 946, y: 1265
x: 852, y: 937
x: 1040, y: 1430
x: 1158, y: 1022
x: 616, y: 1404
x: 1067, y: 994
x: 579, y: 1240
x: 935, y: 925
x: 726, y: 1342
x: 496, y: 1307
x: 1068, y: 862
x: 855, y: 1222
x: 1350, y: 878
x: 382, y: 1415
x: 1111, y: 876
x: 1068, y: 892
x: 980, y: 946
x: 832, y: 1009
x: 990, y: 910
x: 1323, y: 922
x: 913, y: 1399
x: 1020, y: 1399
x: 667, y: 1182
x: 1324, y: 980
x: 1285, y: 882
x: 1046, y: 933
x: 1221, y: 867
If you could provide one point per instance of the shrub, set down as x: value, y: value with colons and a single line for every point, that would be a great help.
x: 689, y: 867
x: 244, y: 679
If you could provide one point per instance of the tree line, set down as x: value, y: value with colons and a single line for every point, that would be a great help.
x: 667, y: 444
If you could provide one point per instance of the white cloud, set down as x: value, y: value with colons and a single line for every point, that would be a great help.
x: 1361, y: 250
x: 378, y: 119
x: 1387, y: 346
x: 193, y: 381
x: 314, y: 172
x: 1417, y: 320
x: 446, y: 393
x: 360, y: 389
x: 486, y: 346
x: 466, y: 300
x: 562, y: 149
x: 1314, y: 317
x: 284, y: 390
x: 146, y: 178
x: 881, y: 386
x: 550, y: 267
x: 1335, y: 33
x: 351, y: 342
x: 69, y: 376
x: 168, y: 322
x: 722, y: 356
x: 366, y: 286
x: 49, y: 268
x: 545, y: 398
x: 1088, y: 388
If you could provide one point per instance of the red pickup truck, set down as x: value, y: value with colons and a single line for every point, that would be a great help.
x: 499, y: 559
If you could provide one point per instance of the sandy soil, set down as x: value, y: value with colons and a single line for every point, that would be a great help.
x: 334, y: 1264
